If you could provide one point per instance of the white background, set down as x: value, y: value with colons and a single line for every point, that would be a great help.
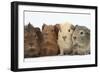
x: 5, y: 36
x: 54, y: 18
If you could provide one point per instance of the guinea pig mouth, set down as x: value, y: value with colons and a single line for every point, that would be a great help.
x: 74, y: 38
x: 64, y: 38
x: 31, y: 50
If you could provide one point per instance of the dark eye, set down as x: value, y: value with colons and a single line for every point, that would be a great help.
x: 69, y: 30
x: 81, y: 33
x: 52, y: 30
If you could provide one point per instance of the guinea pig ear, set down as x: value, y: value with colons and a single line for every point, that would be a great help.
x: 88, y: 31
x: 43, y: 26
x: 30, y: 26
x: 37, y: 29
x: 76, y: 25
x: 72, y: 27
x: 57, y: 27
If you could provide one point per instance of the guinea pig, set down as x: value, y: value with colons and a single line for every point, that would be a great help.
x: 49, y: 44
x: 64, y: 37
x: 31, y: 44
x: 81, y: 40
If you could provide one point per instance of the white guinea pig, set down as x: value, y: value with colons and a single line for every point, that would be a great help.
x: 65, y: 37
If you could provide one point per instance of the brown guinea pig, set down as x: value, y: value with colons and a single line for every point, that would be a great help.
x: 49, y: 44
x: 31, y: 43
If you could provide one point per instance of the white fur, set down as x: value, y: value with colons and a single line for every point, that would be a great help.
x: 65, y: 46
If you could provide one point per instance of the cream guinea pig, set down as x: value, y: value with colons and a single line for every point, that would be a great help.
x: 65, y: 37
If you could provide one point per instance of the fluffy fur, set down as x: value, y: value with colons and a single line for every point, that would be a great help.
x: 31, y: 42
x: 49, y: 44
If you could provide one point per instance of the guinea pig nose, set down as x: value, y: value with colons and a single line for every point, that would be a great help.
x: 64, y: 37
x: 30, y: 44
x: 32, y: 50
x: 74, y: 37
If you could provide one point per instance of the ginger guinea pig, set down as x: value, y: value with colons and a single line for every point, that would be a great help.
x: 65, y: 37
x: 81, y: 40
x: 49, y: 44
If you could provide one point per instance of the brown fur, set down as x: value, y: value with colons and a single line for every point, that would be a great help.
x: 39, y: 34
x: 31, y: 42
x: 49, y: 45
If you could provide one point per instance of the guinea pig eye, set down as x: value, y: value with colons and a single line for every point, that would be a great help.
x: 69, y: 30
x: 52, y: 30
x: 81, y: 33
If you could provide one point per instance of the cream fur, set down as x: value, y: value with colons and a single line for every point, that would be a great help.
x: 65, y: 45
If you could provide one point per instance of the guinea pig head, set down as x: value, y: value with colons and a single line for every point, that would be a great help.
x: 65, y: 30
x: 81, y: 35
x: 49, y: 31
